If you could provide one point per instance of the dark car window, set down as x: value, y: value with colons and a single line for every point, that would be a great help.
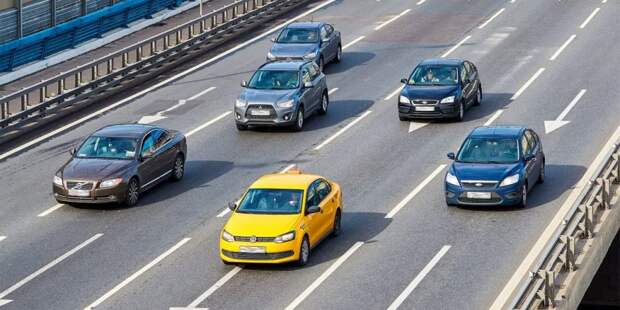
x: 148, y: 146
x: 306, y: 77
x: 489, y: 150
x: 161, y: 137
x: 313, y: 198
x: 329, y: 29
x: 298, y: 35
x: 434, y: 75
x: 274, y: 79
x: 324, y: 33
x: 323, y: 189
x: 313, y: 69
x: 463, y: 73
x: 108, y: 147
x: 531, y: 140
x: 271, y: 201
x: 470, y: 70
x: 525, y: 145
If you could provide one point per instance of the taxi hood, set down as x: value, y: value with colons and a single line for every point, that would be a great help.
x: 261, y: 225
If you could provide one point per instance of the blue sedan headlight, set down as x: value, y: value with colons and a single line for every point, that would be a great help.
x: 452, y: 179
x: 448, y: 100
x: 510, y: 180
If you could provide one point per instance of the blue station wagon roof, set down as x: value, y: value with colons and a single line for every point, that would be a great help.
x: 284, y: 65
x: 442, y: 61
x: 497, y: 131
x: 305, y: 25
x: 124, y: 130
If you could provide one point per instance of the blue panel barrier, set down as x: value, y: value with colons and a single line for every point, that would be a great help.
x: 44, y: 43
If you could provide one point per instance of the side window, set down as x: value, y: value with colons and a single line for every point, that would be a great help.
x: 329, y: 29
x: 149, y: 143
x: 324, y: 33
x: 314, y: 71
x: 470, y: 70
x: 312, y: 198
x: 323, y: 189
x: 161, y: 137
x: 305, y: 74
x: 525, y: 146
x: 463, y: 73
x: 532, y: 141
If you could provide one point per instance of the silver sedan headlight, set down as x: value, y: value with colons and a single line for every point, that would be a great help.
x: 286, y: 104
x: 240, y: 103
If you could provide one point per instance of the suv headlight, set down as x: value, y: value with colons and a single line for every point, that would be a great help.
x: 227, y: 236
x: 452, y: 179
x: 310, y: 56
x: 58, y: 180
x: 447, y: 100
x: 271, y: 56
x: 403, y: 99
x: 110, y: 183
x: 510, y: 180
x: 240, y: 103
x: 286, y: 104
x: 285, y: 237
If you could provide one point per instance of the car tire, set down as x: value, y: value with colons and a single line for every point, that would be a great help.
x: 324, y: 104
x: 523, y: 202
x: 338, y: 57
x: 299, y: 120
x: 178, y: 170
x: 403, y: 118
x: 132, y: 195
x: 478, y: 99
x: 241, y: 127
x: 541, y: 176
x: 304, y: 252
x: 461, y: 114
x: 321, y: 64
x: 337, y: 226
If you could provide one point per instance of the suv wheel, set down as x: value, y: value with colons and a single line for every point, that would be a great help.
x: 299, y: 121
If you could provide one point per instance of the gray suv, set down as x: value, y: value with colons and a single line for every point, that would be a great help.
x: 317, y: 41
x: 282, y: 93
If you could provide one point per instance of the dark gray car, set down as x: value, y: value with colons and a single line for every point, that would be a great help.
x: 316, y: 41
x: 282, y: 93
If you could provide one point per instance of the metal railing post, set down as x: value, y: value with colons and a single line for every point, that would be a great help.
x: 24, y: 101
x: 19, y: 5
x: 83, y: 7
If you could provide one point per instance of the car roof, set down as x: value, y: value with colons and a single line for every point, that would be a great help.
x: 284, y: 65
x: 497, y: 131
x: 124, y: 130
x: 442, y: 61
x: 285, y: 181
x: 305, y: 25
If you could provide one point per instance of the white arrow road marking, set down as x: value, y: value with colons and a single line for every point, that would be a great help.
x: 211, y: 290
x: 413, y: 126
x: 44, y: 269
x: 160, y: 115
x: 550, y: 126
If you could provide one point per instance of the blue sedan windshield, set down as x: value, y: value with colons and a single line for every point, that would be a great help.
x: 434, y: 75
x: 274, y: 79
x: 489, y: 150
x: 271, y: 201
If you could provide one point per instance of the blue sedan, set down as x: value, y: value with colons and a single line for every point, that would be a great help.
x: 496, y: 165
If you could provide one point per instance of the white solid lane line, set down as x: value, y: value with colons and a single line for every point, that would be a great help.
x: 559, y: 51
x: 360, y: 38
x: 333, y: 90
x: 45, y: 268
x: 455, y: 47
x: 214, y: 287
x: 136, y: 274
x: 50, y: 210
x: 194, y: 97
x: 324, y: 276
x: 527, y: 84
x: 506, y: 296
x: 415, y: 191
x: 585, y: 22
x: 394, y: 93
x: 427, y: 269
x: 207, y: 124
x: 161, y: 84
x: 420, y: 2
x: 494, y: 117
x: 223, y: 213
x: 289, y: 167
x: 341, y: 131
x: 2, y: 238
x: 492, y: 18
x: 393, y: 19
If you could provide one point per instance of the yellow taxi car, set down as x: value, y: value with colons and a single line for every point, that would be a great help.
x: 280, y: 218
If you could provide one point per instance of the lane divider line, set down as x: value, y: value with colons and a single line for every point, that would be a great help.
x: 494, y: 117
x: 50, y: 210
x: 492, y: 18
x: 394, y: 93
x: 214, y: 287
x: 135, y: 275
x: 360, y: 38
x: 455, y: 47
x: 392, y: 19
x: 289, y: 167
x: 420, y: 2
x: 207, y: 124
x: 585, y: 22
x: 223, y: 213
x: 427, y: 269
x: 559, y: 51
x: 43, y: 269
x: 2, y: 238
x: 527, y: 84
x: 415, y: 191
x: 162, y: 83
x: 194, y: 97
x: 333, y: 90
x: 324, y: 276
x: 341, y: 131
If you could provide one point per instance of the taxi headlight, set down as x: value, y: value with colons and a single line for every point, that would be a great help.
x: 110, y: 183
x: 58, y: 180
x: 403, y: 99
x: 285, y: 237
x: 447, y: 100
x: 227, y: 236
x: 510, y: 180
x: 452, y: 179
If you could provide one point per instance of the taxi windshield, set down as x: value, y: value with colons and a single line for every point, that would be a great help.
x: 271, y: 201
x: 108, y: 148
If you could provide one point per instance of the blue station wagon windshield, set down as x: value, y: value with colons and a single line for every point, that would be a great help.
x: 434, y: 75
x: 274, y: 79
x: 298, y: 35
x: 489, y: 150
x: 271, y: 201
x: 108, y: 148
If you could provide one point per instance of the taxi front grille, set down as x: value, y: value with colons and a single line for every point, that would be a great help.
x: 257, y: 256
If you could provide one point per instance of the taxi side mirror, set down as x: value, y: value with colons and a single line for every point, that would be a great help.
x: 232, y: 206
x: 313, y: 209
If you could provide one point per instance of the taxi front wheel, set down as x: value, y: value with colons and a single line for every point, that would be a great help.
x: 304, y: 252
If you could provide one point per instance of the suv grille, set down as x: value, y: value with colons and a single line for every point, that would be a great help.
x: 262, y: 107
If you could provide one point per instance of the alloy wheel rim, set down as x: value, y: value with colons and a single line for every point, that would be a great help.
x: 337, y: 228
x: 339, y: 53
x: 133, y: 192
x: 324, y: 103
x: 461, y: 112
x: 304, y: 251
x: 179, y: 168
x: 479, y: 97
x: 524, y: 195
x: 300, y: 119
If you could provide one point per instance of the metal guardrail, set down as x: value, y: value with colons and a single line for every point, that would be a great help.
x: 66, y: 89
x: 559, y: 256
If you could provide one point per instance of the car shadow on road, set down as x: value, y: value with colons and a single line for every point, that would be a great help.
x: 559, y: 180
x: 349, y: 60
x: 356, y: 226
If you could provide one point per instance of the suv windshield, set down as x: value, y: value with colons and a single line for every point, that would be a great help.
x: 108, y: 147
x: 489, y: 150
x: 298, y: 35
x: 434, y: 75
x: 272, y: 79
x: 271, y: 201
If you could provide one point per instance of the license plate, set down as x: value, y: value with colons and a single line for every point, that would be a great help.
x: 252, y: 249
x: 479, y: 195
x: 260, y: 112
x: 79, y: 192
x: 425, y: 109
